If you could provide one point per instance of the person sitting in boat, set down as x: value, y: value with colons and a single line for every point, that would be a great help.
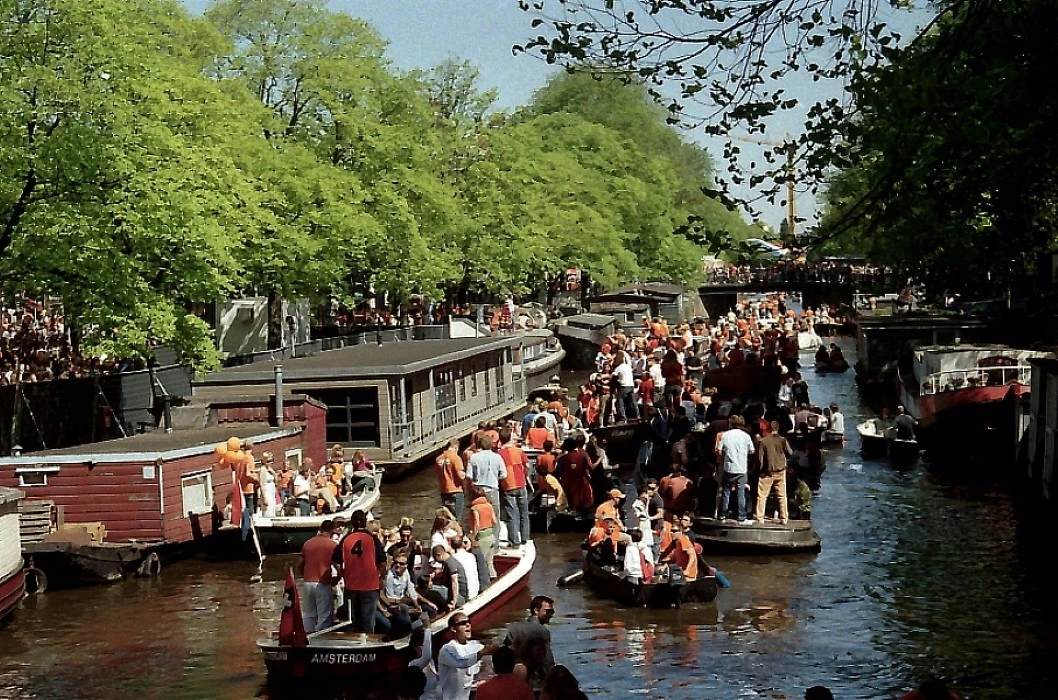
x: 462, y: 554
x: 451, y: 576
x: 837, y: 359
x: 837, y: 422
x: 905, y: 425
x: 680, y: 552
x: 407, y: 543
x: 822, y: 356
x: 604, y: 541
x: 434, y: 600
x: 798, y: 496
x: 398, y: 601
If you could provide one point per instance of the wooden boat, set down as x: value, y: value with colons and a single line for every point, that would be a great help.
x: 823, y: 438
x: 12, y: 578
x: 882, y: 442
x: 662, y: 592
x: 767, y: 537
x: 338, y: 654
x: 623, y: 440
x: 284, y: 534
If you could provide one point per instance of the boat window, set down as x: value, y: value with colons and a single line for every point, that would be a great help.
x: 294, y: 455
x: 197, y: 492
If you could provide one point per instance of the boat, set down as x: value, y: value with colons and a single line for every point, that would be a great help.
x: 581, y: 336
x: 339, y: 654
x: 544, y: 517
x: 820, y: 436
x: 879, y: 441
x: 623, y: 440
x: 540, y: 355
x: 663, y: 592
x: 730, y: 382
x: 12, y: 577
x: 284, y: 534
x: 834, y: 367
x: 808, y: 340
x: 955, y: 391
x: 762, y: 537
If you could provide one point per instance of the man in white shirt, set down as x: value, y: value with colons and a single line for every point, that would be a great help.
x: 641, y: 512
x: 470, y: 566
x: 626, y: 383
x: 735, y: 448
x: 837, y: 421
x: 460, y: 659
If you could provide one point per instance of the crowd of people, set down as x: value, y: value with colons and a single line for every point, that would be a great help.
x: 35, y: 347
x: 832, y: 271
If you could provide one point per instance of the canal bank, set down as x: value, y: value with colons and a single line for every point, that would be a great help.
x: 918, y: 575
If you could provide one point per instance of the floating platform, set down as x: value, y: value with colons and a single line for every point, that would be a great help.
x: 762, y: 537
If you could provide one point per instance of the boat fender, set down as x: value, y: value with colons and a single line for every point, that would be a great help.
x: 36, y: 581
x: 721, y: 580
x: 571, y: 579
x: 150, y: 566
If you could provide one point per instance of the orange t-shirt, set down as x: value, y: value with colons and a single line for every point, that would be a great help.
x: 517, y: 463
x: 450, y: 474
x: 598, y: 534
x: 536, y: 436
x: 483, y: 509
x: 359, y: 562
x: 685, y: 557
x: 606, y: 510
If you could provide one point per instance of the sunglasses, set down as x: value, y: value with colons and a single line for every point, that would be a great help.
x: 461, y: 623
x: 400, y: 563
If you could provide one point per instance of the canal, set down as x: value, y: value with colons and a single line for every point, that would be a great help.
x: 917, y: 576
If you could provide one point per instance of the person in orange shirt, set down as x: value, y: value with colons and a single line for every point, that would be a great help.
x: 602, y: 543
x: 515, y: 503
x: 610, y: 509
x: 538, y: 434
x: 483, y: 527
x: 450, y: 478
x: 681, y: 551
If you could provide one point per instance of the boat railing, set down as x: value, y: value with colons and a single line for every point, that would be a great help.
x: 434, y: 426
x: 952, y: 379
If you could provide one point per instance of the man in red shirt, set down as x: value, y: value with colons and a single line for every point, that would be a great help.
x: 677, y: 491
x: 315, y: 568
x: 504, y: 685
x: 360, y: 554
x: 515, y: 497
x: 450, y: 478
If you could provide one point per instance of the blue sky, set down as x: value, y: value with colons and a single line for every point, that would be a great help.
x: 422, y: 33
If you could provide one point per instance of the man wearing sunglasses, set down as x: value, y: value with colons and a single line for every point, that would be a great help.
x: 460, y: 659
x: 398, y: 599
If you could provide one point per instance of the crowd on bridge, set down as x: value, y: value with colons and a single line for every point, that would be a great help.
x: 856, y: 273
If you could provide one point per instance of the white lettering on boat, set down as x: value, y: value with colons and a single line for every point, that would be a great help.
x: 342, y: 658
x: 275, y: 655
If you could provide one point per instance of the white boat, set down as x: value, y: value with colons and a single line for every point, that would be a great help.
x: 12, y: 578
x: 286, y: 533
x: 878, y: 440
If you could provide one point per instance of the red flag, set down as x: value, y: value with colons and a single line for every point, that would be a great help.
x: 236, y: 499
x: 291, y: 626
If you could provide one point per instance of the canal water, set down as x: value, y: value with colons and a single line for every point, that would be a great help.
x: 918, y: 576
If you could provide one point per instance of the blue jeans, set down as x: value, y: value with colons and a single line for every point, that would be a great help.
x: 516, y: 515
x: 362, y: 606
x: 738, y: 482
x: 626, y: 404
x: 318, y: 606
x: 454, y: 502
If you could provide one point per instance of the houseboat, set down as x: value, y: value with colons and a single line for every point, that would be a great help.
x: 581, y: 336
x: 12, y: 580
x: 961, y: 390
x: 112, y: 508
x: 397, y: 402
x: 537, y: 358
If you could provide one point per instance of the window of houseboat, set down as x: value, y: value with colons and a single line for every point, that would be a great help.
x: 352, y: 415
x: 35, y: 476
x: 197, y: 492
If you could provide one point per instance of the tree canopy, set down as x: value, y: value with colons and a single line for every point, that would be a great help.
x: 152, y: 163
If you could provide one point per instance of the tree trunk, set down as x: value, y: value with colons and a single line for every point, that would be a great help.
x: 275, y: 320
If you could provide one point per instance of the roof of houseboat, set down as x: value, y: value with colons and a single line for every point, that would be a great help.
x: 365, y: 360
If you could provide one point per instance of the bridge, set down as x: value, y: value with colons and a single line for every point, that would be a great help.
x: 817, y: 285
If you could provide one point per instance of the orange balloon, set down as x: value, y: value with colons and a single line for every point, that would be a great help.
x: 221, y: 451
x: 235, y: 458
x: 234, y: 444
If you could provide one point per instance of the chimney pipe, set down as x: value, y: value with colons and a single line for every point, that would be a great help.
x: 279, y: 395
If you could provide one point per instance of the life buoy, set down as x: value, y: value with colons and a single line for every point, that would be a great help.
x: 36, y: 581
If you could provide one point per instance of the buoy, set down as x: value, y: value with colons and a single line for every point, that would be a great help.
x: 571, y: 579
x: 36, y: 581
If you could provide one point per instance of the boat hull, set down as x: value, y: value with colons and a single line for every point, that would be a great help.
x: 344, y: 658
x: 764, y: 538
x: 608, y: 584
x: 69, y: 565
x: 12, y: 589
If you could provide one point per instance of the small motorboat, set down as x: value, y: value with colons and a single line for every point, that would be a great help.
x: 832, y: 367
x: 667, y: 590
x: 284, y: 534
x: 339, y: 654
x: 759, y: 537
x: 880, y: 441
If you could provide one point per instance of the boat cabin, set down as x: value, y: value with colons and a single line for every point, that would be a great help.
x: 395, y: 402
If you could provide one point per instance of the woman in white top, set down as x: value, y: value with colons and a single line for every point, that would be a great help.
x: 269, y: 497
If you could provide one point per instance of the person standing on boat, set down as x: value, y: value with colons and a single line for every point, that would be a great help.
x: 735, y: 448
x: 269, y: 497
x: 514, y: 488
x: 625, y: 381
x: 905, y: 425
x: 485, y: 469
x: 314, y: 565
x: 360, y: 554
x: 450, y: 479
x: 774, y: 454
x: 460, y: 659
x: 285, y: 483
